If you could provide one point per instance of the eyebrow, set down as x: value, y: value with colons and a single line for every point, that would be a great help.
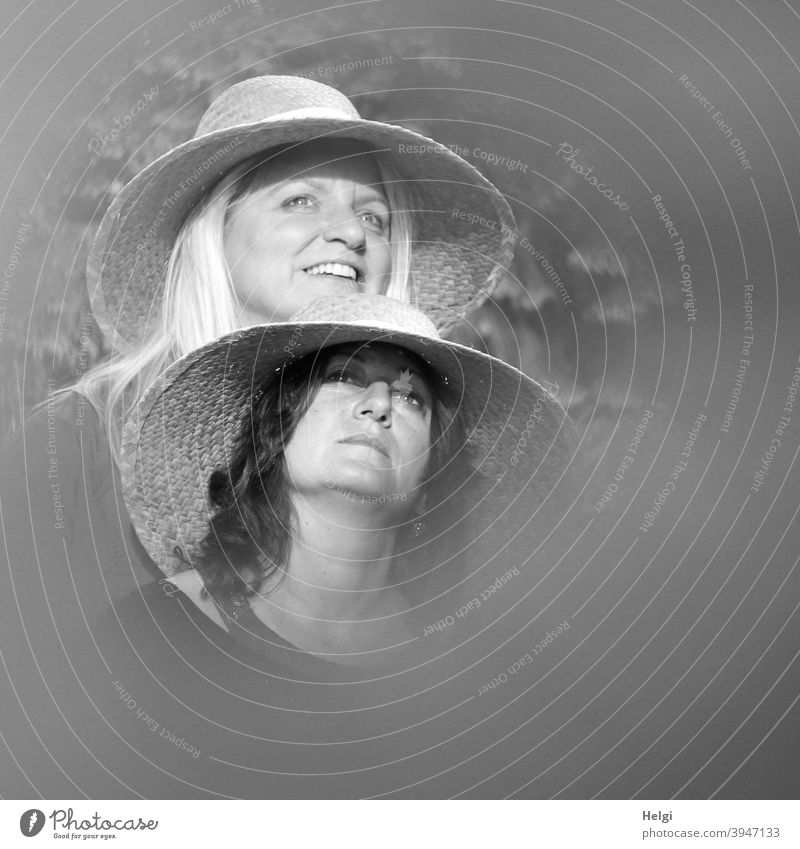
x: 319, y: 185
x: 356, y: 355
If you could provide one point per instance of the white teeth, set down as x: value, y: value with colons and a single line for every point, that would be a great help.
x: 335, y: 268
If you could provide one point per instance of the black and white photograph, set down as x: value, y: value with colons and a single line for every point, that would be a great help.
x: 400, y: 402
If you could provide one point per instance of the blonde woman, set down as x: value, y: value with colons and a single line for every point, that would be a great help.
x: 284, y: 194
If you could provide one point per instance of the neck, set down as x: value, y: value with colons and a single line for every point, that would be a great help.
x: 335, y: 593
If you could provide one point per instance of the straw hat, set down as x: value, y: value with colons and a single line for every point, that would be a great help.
x: 520, y: 439
x: 465, y: 230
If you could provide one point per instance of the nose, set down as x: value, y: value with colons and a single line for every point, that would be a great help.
x: 375, y: 403
x: 345, y: 227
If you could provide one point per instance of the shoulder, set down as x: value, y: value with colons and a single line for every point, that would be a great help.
x: 191, y: 585
x: 155, y: 615
x: 158, y: 632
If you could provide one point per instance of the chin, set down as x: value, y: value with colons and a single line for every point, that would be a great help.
x: 333, y: 286
x: 365, y: 489
x: 377, y: 498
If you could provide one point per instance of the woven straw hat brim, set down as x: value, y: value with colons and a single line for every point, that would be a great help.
x: 520, y: 439
x: 465, y: 230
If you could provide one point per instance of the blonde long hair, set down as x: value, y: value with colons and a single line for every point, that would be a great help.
x: 200, y: 303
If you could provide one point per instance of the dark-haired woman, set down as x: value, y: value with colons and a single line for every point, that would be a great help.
x: 320, y: 493
x: 324, y: 492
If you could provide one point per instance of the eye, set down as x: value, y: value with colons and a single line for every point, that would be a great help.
x: 299, y: 202
x: 412, y: 398
x: 342, y: 374
x: 375, y: 220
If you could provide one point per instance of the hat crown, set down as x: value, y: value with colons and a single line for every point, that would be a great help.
x: 274, y: 98
x: 369, y: 311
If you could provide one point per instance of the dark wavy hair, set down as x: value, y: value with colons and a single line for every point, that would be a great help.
x: 245, y: 542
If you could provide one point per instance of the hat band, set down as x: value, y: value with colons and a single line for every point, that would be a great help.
x: 317, y: 113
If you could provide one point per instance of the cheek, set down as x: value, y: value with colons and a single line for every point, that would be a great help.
x: 379, y: 267
x: 248, y: 242
x: 383, y: 257
x: 313, y: 431
x: 260, y: 267
x: 419, y: 452
x: 300, y: 457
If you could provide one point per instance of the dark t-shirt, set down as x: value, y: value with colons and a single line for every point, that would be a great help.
x: 152, y: 698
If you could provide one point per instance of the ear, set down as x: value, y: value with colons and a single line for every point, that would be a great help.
x: 421, y: 502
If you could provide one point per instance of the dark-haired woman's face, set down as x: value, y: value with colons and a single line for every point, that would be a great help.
x: 316, y: 223
x: 367, y: 431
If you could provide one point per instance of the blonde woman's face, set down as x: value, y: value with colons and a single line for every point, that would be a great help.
x: 316, y: 223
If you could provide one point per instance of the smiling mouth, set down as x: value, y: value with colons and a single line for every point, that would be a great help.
x: 335, y: 269
x: 369, y: 441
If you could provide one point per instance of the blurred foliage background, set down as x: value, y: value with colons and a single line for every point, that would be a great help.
x: 418, y: 78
